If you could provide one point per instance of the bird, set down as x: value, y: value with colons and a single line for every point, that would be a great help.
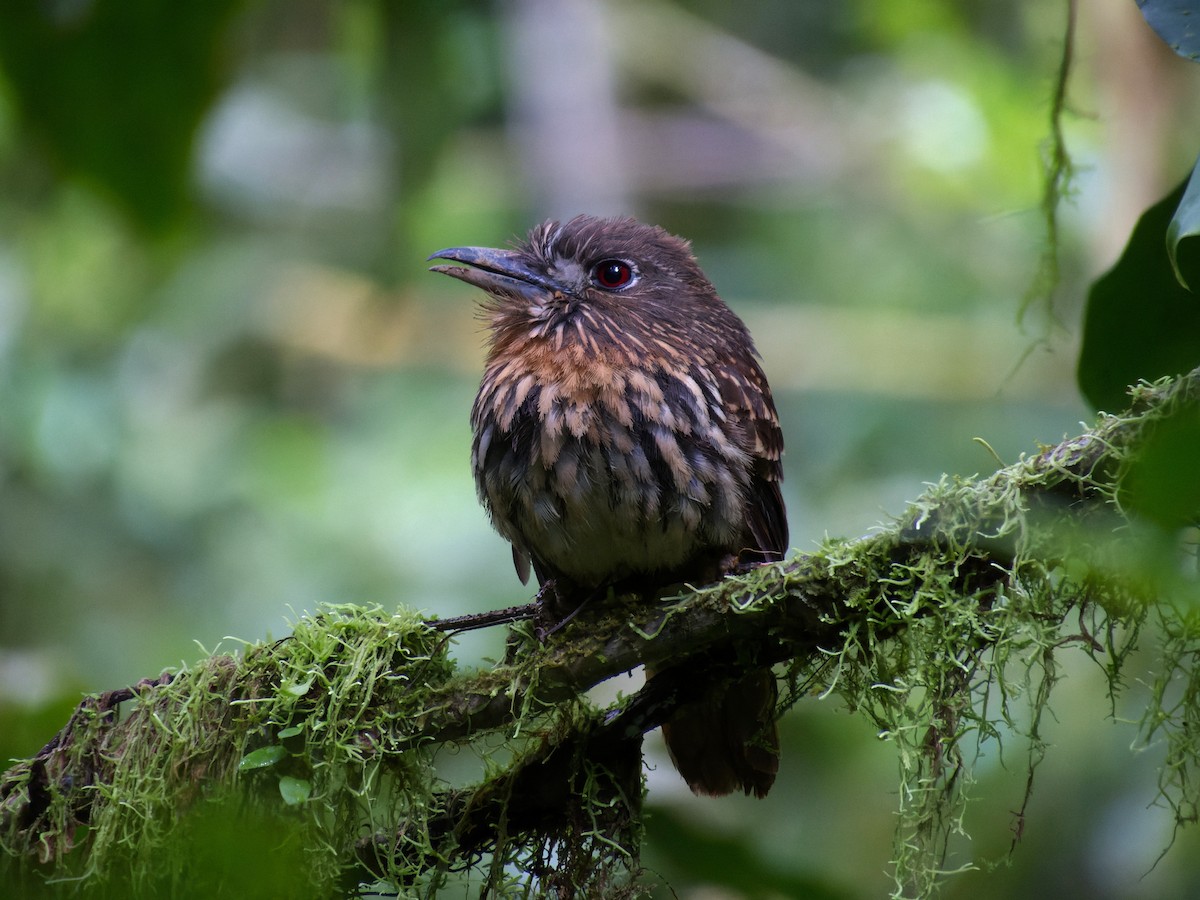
x: 625, y: 438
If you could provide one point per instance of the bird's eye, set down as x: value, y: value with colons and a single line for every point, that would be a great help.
x: 612, y: 274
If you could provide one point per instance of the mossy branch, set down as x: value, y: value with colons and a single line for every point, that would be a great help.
x: 337, y: 734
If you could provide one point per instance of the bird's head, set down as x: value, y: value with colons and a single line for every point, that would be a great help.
x: 595, y: 282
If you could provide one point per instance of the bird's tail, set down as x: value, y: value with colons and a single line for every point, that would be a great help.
x: 727, y: 740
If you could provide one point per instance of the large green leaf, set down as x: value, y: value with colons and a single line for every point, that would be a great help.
x: 1175, y: 21
x: 116, y: 89
x: 1141, y: 322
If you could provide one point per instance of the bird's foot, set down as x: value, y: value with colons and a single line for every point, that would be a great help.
x: 555, y: 611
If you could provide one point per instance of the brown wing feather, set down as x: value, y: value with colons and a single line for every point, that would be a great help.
x: 521, y: 564
x: 765, y: 514
x: 748, y: 401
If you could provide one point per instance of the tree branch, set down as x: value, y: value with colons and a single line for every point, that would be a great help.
x: 374, y: 694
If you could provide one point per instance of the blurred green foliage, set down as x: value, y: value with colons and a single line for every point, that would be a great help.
x: 117, y: 91
x: 228, y: 392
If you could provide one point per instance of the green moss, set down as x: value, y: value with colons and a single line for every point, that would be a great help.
x: 303, y: 741
x: 306, y: 766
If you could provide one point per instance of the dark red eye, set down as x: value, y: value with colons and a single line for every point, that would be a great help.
x: 612, y: 274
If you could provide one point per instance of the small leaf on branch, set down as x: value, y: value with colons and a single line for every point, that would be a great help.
x: 262, y: 758
x: 294, y: 791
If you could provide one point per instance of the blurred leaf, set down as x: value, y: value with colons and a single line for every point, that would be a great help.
x: 1140, y: 322
x: 238, y: 853
x: 224, y: 849
x: 430, y: 41
x: 1163, y: 483
x: 116, y: 89
x: 450, y: 47
x: 1175, y: 22
x: 262, y: 758
x: 704, y: 858
x: 1185, y: 224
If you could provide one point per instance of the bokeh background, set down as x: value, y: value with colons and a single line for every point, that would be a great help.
x: 230, y: 392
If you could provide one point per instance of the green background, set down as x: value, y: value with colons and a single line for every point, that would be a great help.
x: 229, y: 391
